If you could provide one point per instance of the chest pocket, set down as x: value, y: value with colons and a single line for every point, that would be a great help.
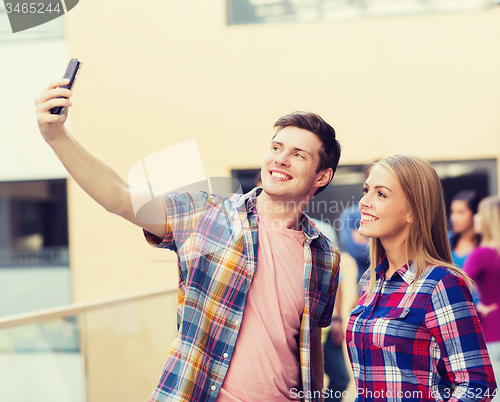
x: 354, y: 324
x: 386, y: 330
x: 357, y: 310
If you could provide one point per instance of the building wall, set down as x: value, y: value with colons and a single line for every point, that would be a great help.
x: 166, y: 71
x: 27, y: 68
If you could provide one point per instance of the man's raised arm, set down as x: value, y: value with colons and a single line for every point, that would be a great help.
x: 93, y: 175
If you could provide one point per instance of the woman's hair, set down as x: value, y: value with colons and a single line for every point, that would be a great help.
x: 471, y: 199
x: 427, y: 242
x: 489, y: 215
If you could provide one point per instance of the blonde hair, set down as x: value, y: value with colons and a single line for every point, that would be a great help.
x: 489, y: 216
x: 427, y: 242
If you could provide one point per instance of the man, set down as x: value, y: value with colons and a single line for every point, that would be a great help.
x: 249, y: 316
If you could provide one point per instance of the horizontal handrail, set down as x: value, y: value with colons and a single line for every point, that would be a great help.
x: 77, y: 308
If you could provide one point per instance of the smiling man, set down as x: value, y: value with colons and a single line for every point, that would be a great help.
x: 257, y: 280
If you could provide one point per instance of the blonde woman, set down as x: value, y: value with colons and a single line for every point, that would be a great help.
x: 483, y: 266
x: 414, y: 335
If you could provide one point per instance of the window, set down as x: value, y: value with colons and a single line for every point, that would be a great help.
x: 34, y: 229
x: 479, y: 175
x: 345, y: 190
x: 273, y: 11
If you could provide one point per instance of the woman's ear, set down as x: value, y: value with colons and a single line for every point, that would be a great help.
x: 409, y: 219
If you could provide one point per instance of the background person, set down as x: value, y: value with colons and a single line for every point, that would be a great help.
x: 414, y: 335
x: 483, y: 266
x: 255, y: 253
x: 335, y: 364
x: 352, y: 241
x: 463, y: 239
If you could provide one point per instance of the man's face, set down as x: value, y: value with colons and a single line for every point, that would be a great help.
x: 289, y: 169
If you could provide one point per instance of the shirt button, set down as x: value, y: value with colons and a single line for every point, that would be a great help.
x: 237, y: 323
x: 225, y: 355
x: 213, y: 387
x: 387, y: 315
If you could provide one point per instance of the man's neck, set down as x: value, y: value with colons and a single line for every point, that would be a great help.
x: 286, y: 212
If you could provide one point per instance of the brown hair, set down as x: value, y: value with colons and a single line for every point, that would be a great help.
x: 427, y: 242
x: 329, y: 154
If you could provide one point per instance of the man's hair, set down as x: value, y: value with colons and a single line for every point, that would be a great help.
x: 329, y: 154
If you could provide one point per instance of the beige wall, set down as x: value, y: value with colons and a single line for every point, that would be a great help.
x: 162, y: 72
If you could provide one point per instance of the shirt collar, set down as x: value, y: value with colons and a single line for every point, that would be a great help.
x: 250, y: 198
x: 407, y: 274
x: 310, y: 230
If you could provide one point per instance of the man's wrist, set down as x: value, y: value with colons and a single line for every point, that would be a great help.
x: 336, y: 319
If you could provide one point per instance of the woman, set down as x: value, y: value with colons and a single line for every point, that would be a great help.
x: 414, y: 335
x: 483, y: 266
x: 463, y: 239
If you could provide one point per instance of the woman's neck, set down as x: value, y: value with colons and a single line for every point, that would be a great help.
x: 466, y: 242
x: 396, y: 257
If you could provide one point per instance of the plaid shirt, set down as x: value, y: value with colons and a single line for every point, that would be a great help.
x: 420, y: 345
x: 216, y: 241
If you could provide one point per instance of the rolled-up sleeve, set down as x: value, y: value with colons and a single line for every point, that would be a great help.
x: 182, y: 212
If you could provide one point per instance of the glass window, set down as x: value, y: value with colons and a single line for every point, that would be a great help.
x: 34, y: 229
x: 273, y: 11
x: 346, y: 188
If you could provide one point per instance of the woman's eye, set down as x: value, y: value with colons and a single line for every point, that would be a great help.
x: 381, y: 194
x: 365, y: 191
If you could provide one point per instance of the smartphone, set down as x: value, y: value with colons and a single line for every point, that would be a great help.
x: 71, y: 73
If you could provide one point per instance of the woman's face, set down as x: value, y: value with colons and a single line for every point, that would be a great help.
x: 383, y: 207
x: 460, y: 217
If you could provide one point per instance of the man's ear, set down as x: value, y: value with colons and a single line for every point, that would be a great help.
x: 325, y: 178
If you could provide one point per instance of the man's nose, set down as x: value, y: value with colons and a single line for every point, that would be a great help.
x: 282, y: 159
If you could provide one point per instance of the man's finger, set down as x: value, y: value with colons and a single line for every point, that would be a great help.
x: 53, y: 102
x: 53, y: 93
x: 56, y: 83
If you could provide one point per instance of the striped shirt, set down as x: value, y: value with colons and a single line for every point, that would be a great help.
x: 423, y: 344
x: 216, y: 241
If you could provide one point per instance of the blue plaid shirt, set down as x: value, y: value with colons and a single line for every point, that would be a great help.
x: 216, y: 241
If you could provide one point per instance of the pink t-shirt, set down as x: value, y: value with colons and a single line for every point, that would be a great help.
x: 265, y: 362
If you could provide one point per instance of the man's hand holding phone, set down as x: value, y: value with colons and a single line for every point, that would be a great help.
x: 52, y: 104
x: 52, y: 96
